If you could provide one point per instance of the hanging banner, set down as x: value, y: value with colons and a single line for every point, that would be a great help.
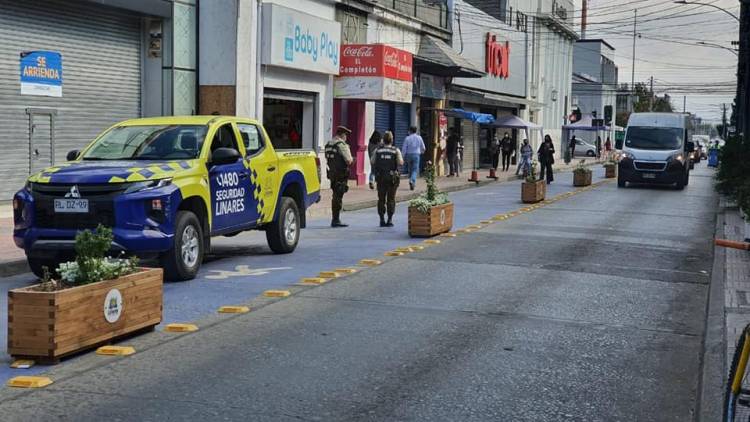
x: 41, y: 73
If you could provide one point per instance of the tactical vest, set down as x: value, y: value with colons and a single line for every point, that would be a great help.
x: 337, y: 167
x: 386, y: 161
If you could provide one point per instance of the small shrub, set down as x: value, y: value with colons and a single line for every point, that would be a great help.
x: 531, y: 177
x: 581, y: 168
x: 432, y: 197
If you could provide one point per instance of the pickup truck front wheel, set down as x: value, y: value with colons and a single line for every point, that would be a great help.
x: 283, y: 234
x: 184, y: 259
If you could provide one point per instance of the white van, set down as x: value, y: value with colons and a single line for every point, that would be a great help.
x: 656, y: 149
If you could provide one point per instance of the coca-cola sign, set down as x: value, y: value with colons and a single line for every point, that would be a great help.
x: 375, y: 60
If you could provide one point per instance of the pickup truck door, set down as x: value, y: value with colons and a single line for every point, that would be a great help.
x: 263, y: 164
x: 230, y: 185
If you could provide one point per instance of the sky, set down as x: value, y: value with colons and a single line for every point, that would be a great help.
x: 668, y: 49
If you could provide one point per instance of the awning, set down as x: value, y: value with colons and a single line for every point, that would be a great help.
x: 459, y: 113
x: 515, y: 122
x: 438, y: 58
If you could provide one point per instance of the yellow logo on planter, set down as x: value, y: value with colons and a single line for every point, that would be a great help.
x: 113, y: 306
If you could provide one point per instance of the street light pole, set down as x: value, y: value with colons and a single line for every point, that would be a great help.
x: 709, y: 5
x: 632, y: 75
x: 707, y: 44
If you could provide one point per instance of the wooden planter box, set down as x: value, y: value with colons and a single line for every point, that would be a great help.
x: 532, y: 193
x: 438, y: 220
x: 581, y: 179
x: 610, y: 171
x: 46, y: 326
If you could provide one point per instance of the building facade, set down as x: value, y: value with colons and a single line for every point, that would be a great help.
x: 70, y: 69
x: 595, y: 82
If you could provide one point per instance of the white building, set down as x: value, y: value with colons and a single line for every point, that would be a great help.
x: 595, y: 82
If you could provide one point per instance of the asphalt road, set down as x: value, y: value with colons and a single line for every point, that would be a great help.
x: 590, y: 308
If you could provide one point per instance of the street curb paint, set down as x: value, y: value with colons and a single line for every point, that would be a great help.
x: 432, y: 241
x: 22, y: 364
x: 346, y: 270
x: 416, y: 248
x: 313, y: 280
x: 234, y: 309
x: 370, y: 262
x: 394, y: 253
x: 448, y: 235
x: 115, y: 351
x: 329, y: 274
x: 277, y: 293
x: 180, y: 328
x: 404, y: 249
x: 29, y: 382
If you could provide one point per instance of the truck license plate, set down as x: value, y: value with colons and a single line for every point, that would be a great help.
x: 649, y: 175
x: 72, y: 205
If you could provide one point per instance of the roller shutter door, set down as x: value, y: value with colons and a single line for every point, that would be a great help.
x: 101, y: 59
x: 402, y: 120
x: 469, y: 133
x: 383, y: 117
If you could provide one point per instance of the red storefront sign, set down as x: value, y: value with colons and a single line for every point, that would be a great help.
x: 497, y: 57
x: 375, y: 60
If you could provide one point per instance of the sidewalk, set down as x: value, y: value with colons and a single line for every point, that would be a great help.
x: 13, y: 260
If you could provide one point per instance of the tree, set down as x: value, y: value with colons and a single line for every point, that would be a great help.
x: 643, y: 104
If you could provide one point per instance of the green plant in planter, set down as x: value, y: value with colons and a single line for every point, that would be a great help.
x: 432, y: 197
x: 743, y: 200
x: 531, y: 177
x: 581, y: 168
x: 92, y: 264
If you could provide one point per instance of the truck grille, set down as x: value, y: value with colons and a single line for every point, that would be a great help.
x: 647, y: 165
x: 101, y: 206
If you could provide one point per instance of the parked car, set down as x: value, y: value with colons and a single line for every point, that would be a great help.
x: 165, y: 186
x: 584, y: 149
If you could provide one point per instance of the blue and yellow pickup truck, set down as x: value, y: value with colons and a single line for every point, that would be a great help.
x: 166, y: 186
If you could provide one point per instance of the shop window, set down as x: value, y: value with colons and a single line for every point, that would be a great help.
x: 224, y: 138
x: 251, y: 138
x: 284, y: 121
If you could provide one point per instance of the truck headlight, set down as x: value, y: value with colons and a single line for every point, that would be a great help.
x: 149, y: 184
x: 678, y: 157
x: 626, y: 156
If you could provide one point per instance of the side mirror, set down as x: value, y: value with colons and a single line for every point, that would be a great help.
x: 224, y: 156
x: 73, y: 155
x: 618, y: 143
x: 690, y: 146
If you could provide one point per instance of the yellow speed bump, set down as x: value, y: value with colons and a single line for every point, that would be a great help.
x: 313, y: 280
x: 416, y: 248
x: 474, y: 227
x: 405, y: 249
x: 432, y: 241
x: 370, y: 262
x: 329, y: 274
x: 22, y: 364
x: 394, y: 253
x: 180, y: 328
x: 500, y: 217
x: 277, y: 293
x: 466, y: 230
x: 115, y: 350
x: 486, y: 221
x: 29, y: 382
x: 448, y: 235
x: 232, y: 309
x: 346, y: 270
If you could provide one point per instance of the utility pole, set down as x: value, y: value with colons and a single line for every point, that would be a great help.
x: 684, y: 103
x: 724, y: 121
x: 651, y: 97
x: 632, y: 74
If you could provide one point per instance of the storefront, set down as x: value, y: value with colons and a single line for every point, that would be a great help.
x: 300, y: 53
x: 379, y: 73
x: 501, y: 91
x: 70, y: 69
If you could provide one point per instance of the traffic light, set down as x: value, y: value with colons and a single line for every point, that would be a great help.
x: 608, y: 114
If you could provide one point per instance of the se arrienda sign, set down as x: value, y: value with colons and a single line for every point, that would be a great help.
x: 41, y: 73
x: 376, y: 60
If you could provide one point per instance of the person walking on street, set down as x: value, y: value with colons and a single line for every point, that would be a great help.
x: 376, y: 140
x: 451, y: 151
x: 494, y: 150
x: 524, y: 164
x: 506, y: 146
x: 385, y: 163
x: 412, y: 150
x: 598, y: 147
x: 608, y: 148
x: 547, y: 159
x: 338, y: 160
x: 572, y: 147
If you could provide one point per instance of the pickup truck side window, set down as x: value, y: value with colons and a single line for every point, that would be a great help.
x: 224, y: 138
x: 251, y: 138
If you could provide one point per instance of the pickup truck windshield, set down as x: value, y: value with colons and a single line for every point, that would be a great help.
x: 643, y: 137
x: 148, y: 143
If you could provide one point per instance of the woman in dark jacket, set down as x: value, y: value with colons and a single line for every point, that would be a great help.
x: 546, y: 154
x: 376, y: 139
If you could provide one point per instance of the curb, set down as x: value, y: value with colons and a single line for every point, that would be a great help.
x: 712, y: 381
x: 11, y: 268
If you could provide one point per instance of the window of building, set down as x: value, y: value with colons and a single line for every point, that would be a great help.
x: 289, y: 119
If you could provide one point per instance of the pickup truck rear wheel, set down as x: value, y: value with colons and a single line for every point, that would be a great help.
x: 184, y: 259
x: 283, y: 234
